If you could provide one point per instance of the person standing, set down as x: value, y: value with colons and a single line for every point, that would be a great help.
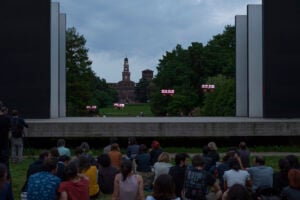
x: 62, y: 149
x: 4, y: 140
x: 17, y: 134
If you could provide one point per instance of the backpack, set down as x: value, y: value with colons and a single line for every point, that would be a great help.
x: 16, y: 127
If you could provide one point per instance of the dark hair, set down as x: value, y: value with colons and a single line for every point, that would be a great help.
x: 104, y: 160
x: 197, y: 161
x: 43, y: 155
x: 205, y: 150
x: 260, y: 160
x: 143, y: 148
x: 50, y: 164
x: 85, y: 147
x: 164, y: 188
x: 126, y: 168
x: 293, y: 160
x: 234, y: 164
x: 70, y: 171
x: 114, y: 147
x: 180, y: 157
x: 54, y: 152
x: 78, y: 151
x: 84, y: 163
x: 284, y: 165
x: 64, y: 158
x: 61, y: 142
x: 238, y: 192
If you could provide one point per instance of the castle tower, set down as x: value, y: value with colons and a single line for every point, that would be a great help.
x: 126, y: 72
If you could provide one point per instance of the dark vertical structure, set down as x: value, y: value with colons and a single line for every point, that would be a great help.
x: 281, y: 58
x: 25, y: 56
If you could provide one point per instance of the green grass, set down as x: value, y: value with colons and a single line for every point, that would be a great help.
x: 130, y: 110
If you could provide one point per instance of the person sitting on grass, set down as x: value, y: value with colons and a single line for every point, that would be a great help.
x: 62, y: 149
x: 292, y: 192
x: 75, y: 185
x: 90, y: 171
x: 163, y: 189
x: 106, y: 174
x: 5, y: 186
x: 115, y: 156
x: 162, y: 166
x: 143, y: 168
x: 128, y: 186
x: 43, y: 185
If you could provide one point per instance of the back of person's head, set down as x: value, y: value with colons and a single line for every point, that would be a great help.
x: 44, y: 154
x: 164, y: 188
x: 179, y: 157
x: 260, y: 160
x: 14, y: 112
x: 155, y: 144
x: 143, y: 148
x: 50, y: 164
x: 61, y: 142
x: 234, y: 164
x: 114, y: 147
x: 64, y: 158
x: 132, y: 141
x: 84, y: 163
x: 164, y: 157
x: 238, y: 192
x: 78, y: 151
x: 85, y: 147
x: 284, y: 165
x: 197, y: 161
x: 126, y: 168
x: 243, y: 145
x: 294, y: 178
x: 54, y: 152
x: 70, y: 171
x: 205, y: 150
x: 293, y: 160
x: 104, y: 160
x: 212, y: 146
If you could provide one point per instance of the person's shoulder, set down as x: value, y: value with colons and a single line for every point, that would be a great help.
x: 150, y: 197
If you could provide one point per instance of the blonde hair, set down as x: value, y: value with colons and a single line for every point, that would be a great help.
x: 164, y: 157
x: 212, y: 146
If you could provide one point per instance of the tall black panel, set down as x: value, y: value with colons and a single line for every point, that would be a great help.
x: 281, y: 58
x: 25, y: 56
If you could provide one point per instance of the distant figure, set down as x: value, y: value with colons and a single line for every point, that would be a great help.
x: 244, y: 154
x: 143, y: 167
x: 43, y: 185
x: 75, y: 186
x: 213, y: 152
x: 62, y: 149
x: 106, y: 174
x: 207, y: 159
x: 4, y: 140
x: 5, y: 187
x: 17, y: 133
x: 280, y: 179
x: 164, y: 188
x: 128, y: 186
x: 132, y: 149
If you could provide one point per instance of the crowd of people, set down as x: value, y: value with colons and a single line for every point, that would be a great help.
x: 57, y: 174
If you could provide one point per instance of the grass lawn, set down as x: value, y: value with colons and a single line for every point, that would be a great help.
x: 130, y: 110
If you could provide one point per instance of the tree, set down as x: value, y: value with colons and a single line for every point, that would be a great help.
x: 83, y: 86
x: 142, y: 91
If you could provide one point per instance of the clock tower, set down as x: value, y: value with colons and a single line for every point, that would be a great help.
x: 126, y: 73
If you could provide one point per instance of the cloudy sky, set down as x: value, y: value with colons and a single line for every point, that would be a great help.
x: 143, y: 30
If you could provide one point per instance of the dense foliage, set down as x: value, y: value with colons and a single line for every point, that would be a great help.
x: 83, y: 86
x: 185, y: 70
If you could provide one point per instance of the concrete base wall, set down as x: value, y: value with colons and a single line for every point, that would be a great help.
x: 163, y: 127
